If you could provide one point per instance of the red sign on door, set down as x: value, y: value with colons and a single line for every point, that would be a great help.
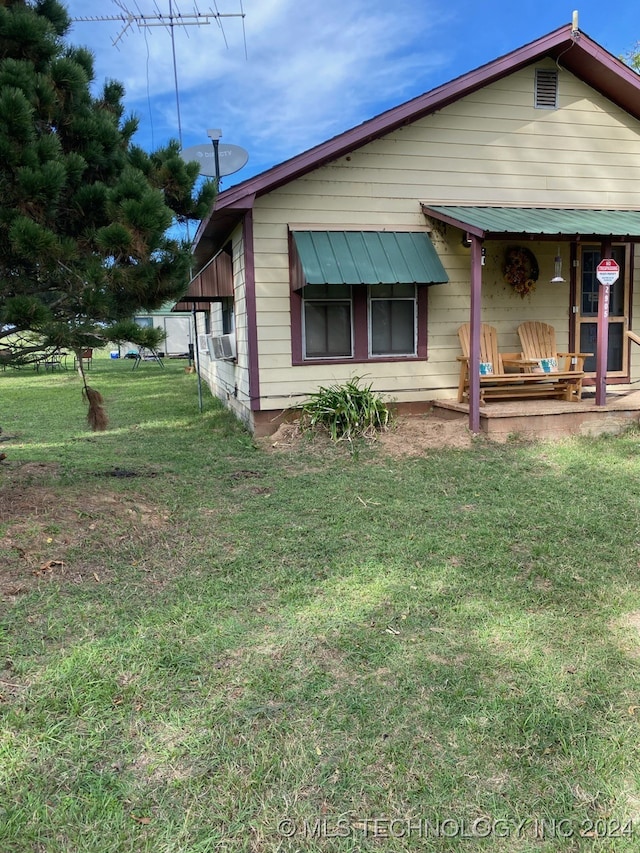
x: 607, y: 271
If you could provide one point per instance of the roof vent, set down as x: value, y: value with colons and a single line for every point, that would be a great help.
x: 546, y: 95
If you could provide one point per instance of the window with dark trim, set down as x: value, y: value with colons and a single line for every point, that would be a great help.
x: 228, y: 315
x: 358, y: 323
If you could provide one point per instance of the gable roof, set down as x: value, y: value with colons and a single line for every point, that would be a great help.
x: 572, y: 50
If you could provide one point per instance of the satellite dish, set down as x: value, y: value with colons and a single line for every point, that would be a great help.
x: 231, y: 158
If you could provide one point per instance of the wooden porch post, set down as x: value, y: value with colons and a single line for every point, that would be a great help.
x: 602, y: 344
x: 474, y: 334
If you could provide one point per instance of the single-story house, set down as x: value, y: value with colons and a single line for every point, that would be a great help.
x: 364, y: 255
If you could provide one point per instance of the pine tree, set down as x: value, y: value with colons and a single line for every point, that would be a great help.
x: 632, y: 57
x: 85, y: 215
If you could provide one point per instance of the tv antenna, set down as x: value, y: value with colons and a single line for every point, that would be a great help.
x: 169, y: 21
x: 158, y: 19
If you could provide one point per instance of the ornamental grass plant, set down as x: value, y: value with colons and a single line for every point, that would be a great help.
x: 345, y: 411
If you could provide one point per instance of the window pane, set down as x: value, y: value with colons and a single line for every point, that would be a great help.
x: 327, y: 327
x: 393, y: 327
x: 390, y: 291
x: 590, y: 285
x: 228, y: 319
x: 616, y: 301
x: 327, y: 291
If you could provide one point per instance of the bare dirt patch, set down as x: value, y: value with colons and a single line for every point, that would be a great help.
x: 413, y: 436
x: 408, y: 436
x: 43, y: 521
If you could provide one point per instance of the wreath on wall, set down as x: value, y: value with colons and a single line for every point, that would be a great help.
x: 521, y: 270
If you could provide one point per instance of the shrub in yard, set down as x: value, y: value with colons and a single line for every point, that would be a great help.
x: 346, y: 411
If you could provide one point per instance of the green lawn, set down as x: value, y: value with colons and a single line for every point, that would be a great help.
x: 207, y: 646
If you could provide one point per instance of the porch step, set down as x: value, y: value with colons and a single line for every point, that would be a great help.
x: 548, y: 419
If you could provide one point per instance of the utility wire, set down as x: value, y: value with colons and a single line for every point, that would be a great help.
x: 175, y: 71
x: 170, y: 21
x: 146, y: 41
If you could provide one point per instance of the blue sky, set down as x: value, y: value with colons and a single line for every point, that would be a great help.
x: 293, y: 73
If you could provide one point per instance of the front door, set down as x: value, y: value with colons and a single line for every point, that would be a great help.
x: 586, y: 310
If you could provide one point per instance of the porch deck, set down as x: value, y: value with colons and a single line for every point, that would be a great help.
x: 552, y: 418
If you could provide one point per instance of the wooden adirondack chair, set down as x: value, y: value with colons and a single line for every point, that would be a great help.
x: 538, y: 342
x: 488, y: 345
x: 525, y: 379
x: 492, y: 362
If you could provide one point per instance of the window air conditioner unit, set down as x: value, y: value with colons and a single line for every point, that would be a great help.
x: 224, y: 347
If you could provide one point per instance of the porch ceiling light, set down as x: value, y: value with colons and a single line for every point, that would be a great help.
x: 557, y: 273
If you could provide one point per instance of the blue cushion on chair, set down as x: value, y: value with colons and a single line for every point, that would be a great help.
x: 549, y: 365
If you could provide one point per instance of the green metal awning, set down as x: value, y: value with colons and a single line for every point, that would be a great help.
x: 541, y: 222
x: 368, y: 257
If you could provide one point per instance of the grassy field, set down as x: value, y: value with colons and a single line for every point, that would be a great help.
x: 210, y: 646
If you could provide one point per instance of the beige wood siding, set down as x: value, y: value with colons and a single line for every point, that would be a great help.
x: 228, y: 380
x: 492, y: 147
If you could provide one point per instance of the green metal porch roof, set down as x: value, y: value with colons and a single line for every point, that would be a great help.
x: 368, y: 257
x: 539, y: 221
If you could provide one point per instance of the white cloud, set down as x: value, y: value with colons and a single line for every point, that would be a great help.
x: 312, y: 69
